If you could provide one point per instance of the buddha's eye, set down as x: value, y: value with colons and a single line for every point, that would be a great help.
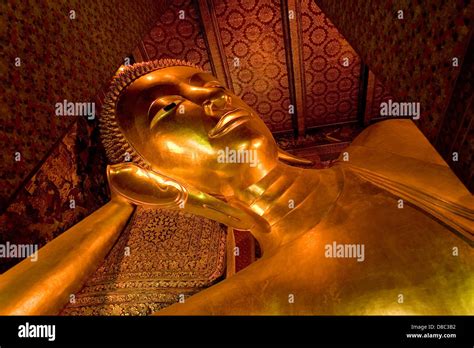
x: 170, y: 106
x: 162, y: 108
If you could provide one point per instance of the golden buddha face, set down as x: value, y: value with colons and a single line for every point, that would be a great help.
x: 187, y: 126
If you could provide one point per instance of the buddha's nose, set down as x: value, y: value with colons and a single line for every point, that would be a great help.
x: 217, y: 104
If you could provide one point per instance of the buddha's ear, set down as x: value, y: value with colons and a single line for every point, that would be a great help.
x: 145, y: 187
x: 292, y: 159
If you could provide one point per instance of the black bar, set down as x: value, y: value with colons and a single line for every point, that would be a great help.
x: 257, y: 330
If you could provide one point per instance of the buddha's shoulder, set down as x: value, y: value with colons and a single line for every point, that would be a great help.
x: 395, y: 155
x: 398, y: 151
x: 400, y: 137
x: 392, y: 198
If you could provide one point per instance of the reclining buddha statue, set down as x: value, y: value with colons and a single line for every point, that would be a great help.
x: 387, y: 229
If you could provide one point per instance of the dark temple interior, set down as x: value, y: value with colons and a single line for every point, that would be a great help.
x: 317, y: 77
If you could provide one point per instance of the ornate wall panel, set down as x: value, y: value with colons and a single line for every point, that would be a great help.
x: 252, y: 31
x: 176, y: 37
x: 42, y: 208
x: 246, y: 244
x: 331, y: 88
x: 61, y: 58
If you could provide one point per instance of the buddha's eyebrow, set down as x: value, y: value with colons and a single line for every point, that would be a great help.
x: 199, y: 79
x: 165, y: 89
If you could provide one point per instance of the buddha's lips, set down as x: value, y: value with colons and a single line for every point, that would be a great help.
x: 228, y: 122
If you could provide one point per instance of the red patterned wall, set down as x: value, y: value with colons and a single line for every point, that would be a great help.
x: 175, y: 37
x: 252, y: 31
x: 247, y: 251
x: 381, y: 95
x: 331, y: 88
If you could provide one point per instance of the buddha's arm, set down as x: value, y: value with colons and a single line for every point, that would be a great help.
x: 63, y: 265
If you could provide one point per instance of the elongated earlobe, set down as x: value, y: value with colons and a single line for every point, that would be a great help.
x: 151, y: 189
x: 292, y: 159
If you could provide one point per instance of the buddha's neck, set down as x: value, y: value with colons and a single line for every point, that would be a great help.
x: 293, y: 200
